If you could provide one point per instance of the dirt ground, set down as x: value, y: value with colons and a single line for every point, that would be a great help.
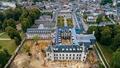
x: 37, y: 59
x: 66, y: 42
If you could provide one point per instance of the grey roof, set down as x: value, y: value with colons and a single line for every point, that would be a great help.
x: 38, y: 31
x: 65, y: 48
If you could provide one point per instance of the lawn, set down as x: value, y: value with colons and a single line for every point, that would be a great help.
x: 107, y: 52
x: 60, y: 21
x: 4, y: 35
x: 9, y: 45
x: 70, y: 22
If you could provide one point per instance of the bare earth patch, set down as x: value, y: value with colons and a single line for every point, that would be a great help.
x: 37, y: 59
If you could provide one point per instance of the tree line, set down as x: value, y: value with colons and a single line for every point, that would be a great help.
x: 11, y: 17
x: 109, y: 36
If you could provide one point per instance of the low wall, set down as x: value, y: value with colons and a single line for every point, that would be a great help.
x: 15, y: 53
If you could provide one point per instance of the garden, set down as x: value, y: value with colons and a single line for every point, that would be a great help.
x: 60, y: 21
x: 69, y: 22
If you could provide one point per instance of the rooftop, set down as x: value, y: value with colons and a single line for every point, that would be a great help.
x: 66, y: 48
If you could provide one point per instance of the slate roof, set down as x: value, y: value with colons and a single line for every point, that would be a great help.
x: 38, y: 31
x: 65, y: 48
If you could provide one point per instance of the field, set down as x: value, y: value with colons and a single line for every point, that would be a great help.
x: 4, y: 35
x: 8, y: 44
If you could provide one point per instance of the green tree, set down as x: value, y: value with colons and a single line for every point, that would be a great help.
x: 116, y: 29
x: 24, y: 14
x: 98, y: 33
x: 35, y: 39
x: 14, y: 34
x: 25, y: 24
x: 106, y: 36
x: 116, y: 42
x: 4, y: 57
x: 9, y: 22
x: 34, y: 14
x: 9, y: 13
x: 116, y: 59
x: 17, y: 40
x: 103, y: 2
x: 11, y: 31
x: 84, y: 16
x: 99, y: 19
x: 91, y: 29
x: 2, y: 16
x: 0, y: 25
x: 17, y: 13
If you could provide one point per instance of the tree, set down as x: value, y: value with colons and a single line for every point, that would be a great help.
x: 2, y: 16
x: 4, y: 57
x: 116, y: 59
x: 9, y: 22
x: 103, y: 2
x: 35, y: 39
x: 11, y: 31
x: 34, y: 13
x: 116, y: 42
x: 0, y: 25
x: 14, y: 34
x: 25, y: 24
x: 28, y: 17
x: 99, y: 19
x: 17, y: 40
x: 106, y: 36
x: 17, y: 13
x: 116, y: 29
x: 91, y: 29
x: 84, y: 16
x: 97, y: 33
x: 9, y: 13
x: 24, y: 14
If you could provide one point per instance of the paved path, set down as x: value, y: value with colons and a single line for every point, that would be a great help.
x: 5, y: 39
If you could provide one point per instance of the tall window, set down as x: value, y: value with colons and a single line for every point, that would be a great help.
x: 63, y: 57
x: 62, y: 54
x: 66, y: 57
x: 59, y: 57
x: 69, y: 57
x: 73, y: 54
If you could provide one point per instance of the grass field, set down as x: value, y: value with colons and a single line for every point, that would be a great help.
x: 4, y: 35
x: 9, y: 45
x: 107, y: 52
